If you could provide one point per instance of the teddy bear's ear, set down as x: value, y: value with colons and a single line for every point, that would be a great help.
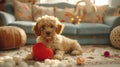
x: 60, y: 28
x: 36, y: 30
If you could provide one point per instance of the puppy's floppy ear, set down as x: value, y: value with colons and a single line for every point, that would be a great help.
x: 60, y: 28
x: 36, y: 31
x: 35, y: 28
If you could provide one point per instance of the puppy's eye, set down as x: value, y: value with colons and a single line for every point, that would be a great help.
x: 43, y: 27
x: 51, y: 26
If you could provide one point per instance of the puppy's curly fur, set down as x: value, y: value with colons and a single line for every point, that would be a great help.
x: 48, y: 30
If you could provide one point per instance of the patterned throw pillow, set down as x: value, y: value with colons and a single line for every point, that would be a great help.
x: 64, y: 15
x: 23, y: 11
x: 92, y: 16
x: 39, y: 11
x: 101, y: 11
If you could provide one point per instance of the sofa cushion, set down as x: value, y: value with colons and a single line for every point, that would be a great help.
x: 25, y: 25
x: 39, y: 11
x: 101, y: 11
x: 70, y: 29
x: 23, y: 11
x: 92, y: 29
x: 88, y: 14
x: 63, y: 14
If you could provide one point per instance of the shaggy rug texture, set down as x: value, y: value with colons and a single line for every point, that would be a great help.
x: 93, y: 54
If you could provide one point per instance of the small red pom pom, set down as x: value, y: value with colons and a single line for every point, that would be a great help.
x: 41, y: 52
x: 107, y: 54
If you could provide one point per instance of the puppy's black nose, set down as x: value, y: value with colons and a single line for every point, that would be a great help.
x: 48, y: 33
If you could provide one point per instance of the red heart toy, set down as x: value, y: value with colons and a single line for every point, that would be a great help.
x: 41, y: 52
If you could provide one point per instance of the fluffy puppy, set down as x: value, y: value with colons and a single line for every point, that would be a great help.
x: 48, y: 30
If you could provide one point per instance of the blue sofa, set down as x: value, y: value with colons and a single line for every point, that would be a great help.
x: 85, y: 33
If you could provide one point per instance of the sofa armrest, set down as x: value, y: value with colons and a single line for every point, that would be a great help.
x: 112, y: 21
x: 7, y: 17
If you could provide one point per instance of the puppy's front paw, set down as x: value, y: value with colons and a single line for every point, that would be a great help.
x: 58, y: 57
x: 29, y: 56
x: 76, y: 52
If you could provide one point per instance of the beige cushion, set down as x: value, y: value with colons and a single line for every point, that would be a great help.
x: 23, y: 11
x: 39, y: 11
x: 64, y: 15
x: 91, y: 16
x: 101, y: 10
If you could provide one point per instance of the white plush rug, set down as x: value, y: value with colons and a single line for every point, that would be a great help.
x: 93, y: 55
